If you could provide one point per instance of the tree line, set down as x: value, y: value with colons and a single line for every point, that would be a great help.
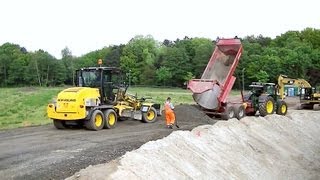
x: 168, y: 63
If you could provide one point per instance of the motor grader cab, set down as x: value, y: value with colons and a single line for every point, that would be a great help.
x: 264, y: 99
x: 308, y: 94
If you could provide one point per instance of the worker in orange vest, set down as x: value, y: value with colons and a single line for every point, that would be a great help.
x: 170, y: 117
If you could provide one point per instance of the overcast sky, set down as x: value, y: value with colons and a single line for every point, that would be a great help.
x: 87, y: 25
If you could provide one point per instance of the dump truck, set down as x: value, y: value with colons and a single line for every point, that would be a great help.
x: 210, y: 92
x: 98, y: 101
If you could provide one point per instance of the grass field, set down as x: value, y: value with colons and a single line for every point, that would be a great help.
x: 21, y: 107
x: 26, y: 106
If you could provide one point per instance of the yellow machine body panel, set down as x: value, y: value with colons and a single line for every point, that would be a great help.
x: 282, y: 80
x: 71, y: 103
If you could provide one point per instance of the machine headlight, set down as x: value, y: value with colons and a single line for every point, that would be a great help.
x: 91, y: 102
x: 144, y: 108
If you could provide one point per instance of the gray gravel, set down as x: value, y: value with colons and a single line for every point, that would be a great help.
x: 47, y: 153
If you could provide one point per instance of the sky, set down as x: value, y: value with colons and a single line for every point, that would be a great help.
x: 88, y: 25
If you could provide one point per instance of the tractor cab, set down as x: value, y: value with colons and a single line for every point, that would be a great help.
x: 106, y: 79
x: 263, y: 88
x: 263, y: 98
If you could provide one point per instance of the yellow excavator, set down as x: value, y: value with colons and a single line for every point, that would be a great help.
x: 308, y: 95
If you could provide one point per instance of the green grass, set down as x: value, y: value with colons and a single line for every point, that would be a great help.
x: 21, y: 107
x: 159, y: 95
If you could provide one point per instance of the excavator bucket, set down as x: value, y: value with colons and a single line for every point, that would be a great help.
x: 217, y: 79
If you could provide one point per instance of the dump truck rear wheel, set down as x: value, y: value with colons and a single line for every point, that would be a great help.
x: 240, y: 112
x: 267, y: 107
x: 150, y: 116
x: 59, y: 124
x: 282, y: 108
x: 96, y: 121
x: 229, y: 113
x: 110, y: 119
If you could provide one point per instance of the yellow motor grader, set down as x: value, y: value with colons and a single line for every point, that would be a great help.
x: 98, y: 100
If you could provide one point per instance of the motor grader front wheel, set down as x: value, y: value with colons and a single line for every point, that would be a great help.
x: 150, y: 116
x: 267, y: 106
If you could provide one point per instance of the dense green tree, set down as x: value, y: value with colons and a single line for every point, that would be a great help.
x: 163, y: 75
x: 138, y: 56
x: 294, y: 53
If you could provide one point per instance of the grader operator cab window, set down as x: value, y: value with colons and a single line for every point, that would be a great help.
x: 90, y: 79
x: 106, y: 79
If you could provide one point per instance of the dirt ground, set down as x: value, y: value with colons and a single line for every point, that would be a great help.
x: 271, y: 147
x: 47, y: 153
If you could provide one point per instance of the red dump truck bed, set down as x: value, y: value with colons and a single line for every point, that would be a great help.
x: 217, y: 80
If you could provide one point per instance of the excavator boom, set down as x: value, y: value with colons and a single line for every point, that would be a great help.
x: 283, y: 80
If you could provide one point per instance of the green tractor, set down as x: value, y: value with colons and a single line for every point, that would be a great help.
x: 263, y: 98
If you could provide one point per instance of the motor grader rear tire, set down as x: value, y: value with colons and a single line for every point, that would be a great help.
x: 150, y: 116
x: 267, y: 107
x: 110, y: 119
x: 96, y: 122
x: 59, y: 124
x: 282, y: 108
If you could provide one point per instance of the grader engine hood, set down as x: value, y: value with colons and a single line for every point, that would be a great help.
x: 71, y: 99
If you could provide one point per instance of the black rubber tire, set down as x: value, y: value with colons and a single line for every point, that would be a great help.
x: 229, y: 113
x: 282, y: 108
x: 59, y: 124
x: 307, y: 106
x: 240, y: 112
x: 94, y: 122
x: 110, y: 119
x: 150, y: 116
x: 263, y: 109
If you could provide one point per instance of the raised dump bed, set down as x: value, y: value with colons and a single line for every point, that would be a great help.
x: 211, y: 91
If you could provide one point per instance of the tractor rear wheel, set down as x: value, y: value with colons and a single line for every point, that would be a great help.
x: 267, y: 107
x: 150, y: 116
x: 111, y: 119
x: 229, y: 113
x: 240, y: 112
x: 96, y: 121
x: 59, y: 124
x: 282, y: 108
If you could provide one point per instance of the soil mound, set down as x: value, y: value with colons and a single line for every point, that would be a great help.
x: 271, y: 147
